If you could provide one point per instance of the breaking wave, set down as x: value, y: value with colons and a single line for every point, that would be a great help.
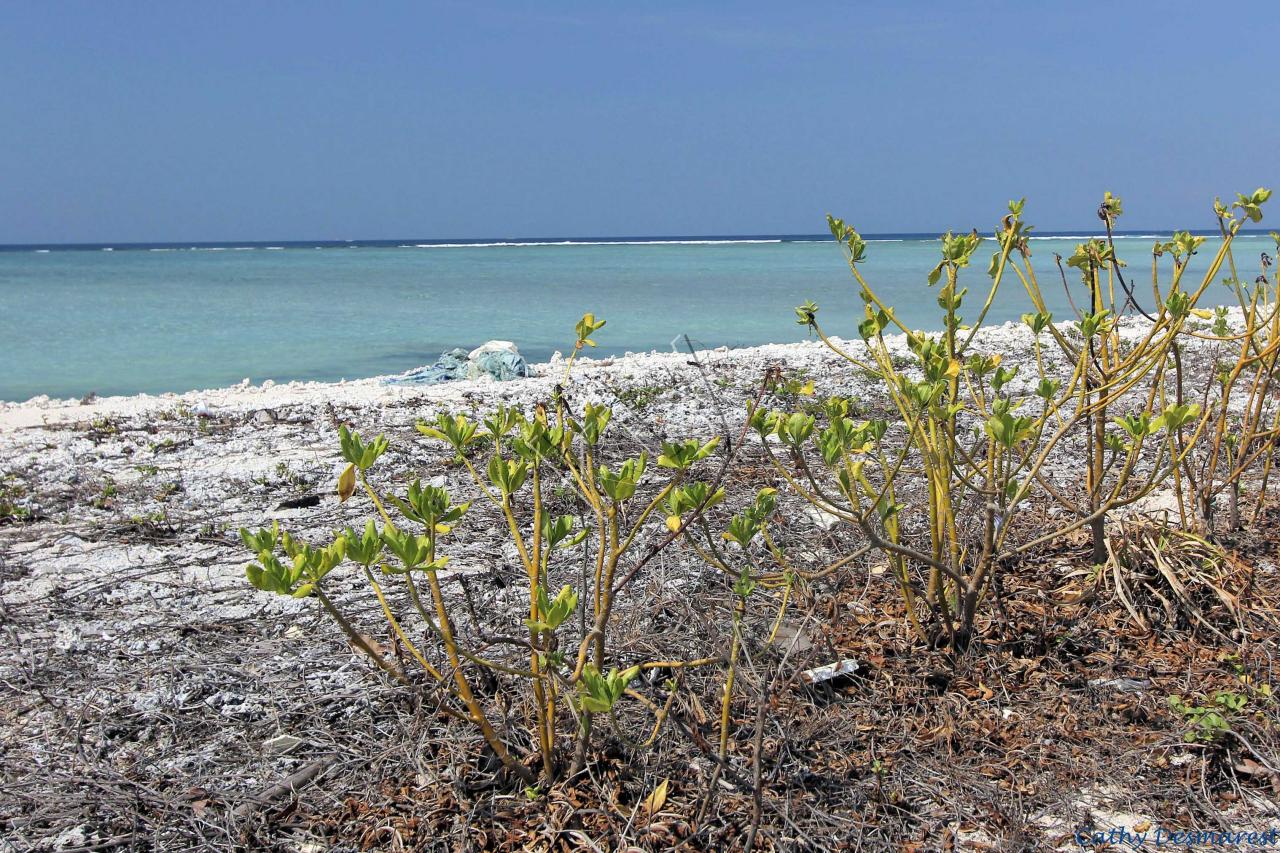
x: 509, y: 245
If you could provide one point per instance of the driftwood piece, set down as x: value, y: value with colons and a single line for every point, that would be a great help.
x: 288, y: 786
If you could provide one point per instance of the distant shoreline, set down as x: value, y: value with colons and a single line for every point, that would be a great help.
x: 540, y: 242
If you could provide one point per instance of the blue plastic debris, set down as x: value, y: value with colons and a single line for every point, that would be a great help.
x: 451, y: 365
x: 498, y: 359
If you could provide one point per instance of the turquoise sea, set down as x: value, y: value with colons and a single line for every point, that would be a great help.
x: 151, y: 318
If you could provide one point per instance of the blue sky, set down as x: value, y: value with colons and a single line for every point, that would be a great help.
x: 137, y: 121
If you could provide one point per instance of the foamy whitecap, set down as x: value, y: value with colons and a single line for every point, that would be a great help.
x: 533, y: 243
x: 1098, y: 237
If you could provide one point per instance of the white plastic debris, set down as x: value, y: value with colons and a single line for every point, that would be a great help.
x: 492, y: 346
x: 817, y: 675
x: 821, y: 518
x: 1121, y: 685
x: 499, y: 360
x: 281, y: 744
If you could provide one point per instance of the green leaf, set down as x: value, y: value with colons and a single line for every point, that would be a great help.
x: 355, y: 451
x: 795, y: 429
x: 507, y: 474
x: 807, y: 314
x: 258, y: 577
x: 742, y: 529
x: 687, y: 498
x: 457, y: 430
x: 585, y: 328
x: 599, y: 693
x: 553, y: 612
x: 594, y: 421
x: 1174, y: 417
x: 1037, y: 322
x: 621, y: 485
x: 681, y: 456
x: 558, y: 532
x: 363, y: 548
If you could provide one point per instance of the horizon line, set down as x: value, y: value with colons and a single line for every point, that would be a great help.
x: 515, y: 241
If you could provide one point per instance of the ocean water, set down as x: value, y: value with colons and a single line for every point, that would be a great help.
x: 153, y: 318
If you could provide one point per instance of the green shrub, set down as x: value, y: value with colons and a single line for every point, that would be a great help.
x: 1245, y: 435
x: 570, y: 669
x: 1209, y: 722
x: 13, y: 499
x: 941, y: 490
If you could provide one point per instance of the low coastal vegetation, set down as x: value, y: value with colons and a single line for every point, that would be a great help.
x: 566, y: 683
x: 1124, y: 407
x: 959, y: 466
x: 989, y: 586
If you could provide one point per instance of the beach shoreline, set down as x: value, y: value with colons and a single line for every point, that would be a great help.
x: 247, y: 396
x: 1012, y: 339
